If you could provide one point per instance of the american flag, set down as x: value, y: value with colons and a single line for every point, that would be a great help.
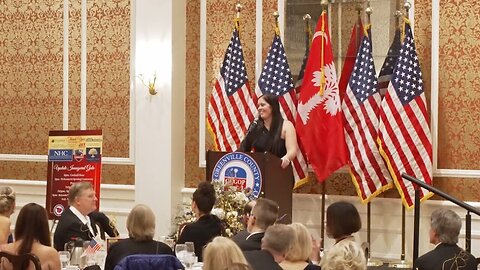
x: 360, y: 110
x: 404, y: 135
x: 92, y: 247
x: 231, y: 107
x: 276, y: 79
x: 388, y: 64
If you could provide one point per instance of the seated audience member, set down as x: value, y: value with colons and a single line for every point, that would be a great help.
x: 275, y: 245
x: 141, y: 229
x: 342, y: 221
x: 7, y: 206
x: 206, y: 226
x: 264, y: 214
x: 247, y: 210
x: 445, y: 227
x: 300, y: 250
x: 222, y: 253
x: 75, y: 221
x: 32, y: 235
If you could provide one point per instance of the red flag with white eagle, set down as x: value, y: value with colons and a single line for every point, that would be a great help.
x: 319, y: 121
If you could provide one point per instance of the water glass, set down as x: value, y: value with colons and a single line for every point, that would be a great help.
x: 189, y: 260
x: 180, y: 251
x: 190, y: 247
x: 170, y: 242
x: 64, y: 258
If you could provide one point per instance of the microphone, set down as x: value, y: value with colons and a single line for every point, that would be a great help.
x: 252, y: 126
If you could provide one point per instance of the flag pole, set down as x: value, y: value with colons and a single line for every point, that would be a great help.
x: 369, y: 12
x: 308, y: 31
x: 407, y: 7
x: 357, y: 25
x: 403, y: 264
x: 238, y: 8
x: 398, y: 14
x: 322, y: 224
x: 370, y: 260
x: 324, y: 4
x: 277, y: 29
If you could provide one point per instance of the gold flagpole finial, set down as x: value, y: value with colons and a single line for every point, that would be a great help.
x: 277, y: 28
x: 324, y: 4
x: 238, y: 9
x: 369, y: 12
x: 307, y: 18
x: 398, y: 15
x: 407, y: 7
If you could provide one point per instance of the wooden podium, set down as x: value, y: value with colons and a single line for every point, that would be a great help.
x: 277, y: 183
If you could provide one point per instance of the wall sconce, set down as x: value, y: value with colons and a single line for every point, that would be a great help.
x: 150, y: 85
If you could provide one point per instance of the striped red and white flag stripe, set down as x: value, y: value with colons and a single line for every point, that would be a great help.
x: 231, y: 107
x: 404, y: 135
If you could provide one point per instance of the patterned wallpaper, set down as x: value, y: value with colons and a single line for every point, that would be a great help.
x: 459, y: 95
x: 458, y: 140
x: 31, y: 73
x: 31, y: 39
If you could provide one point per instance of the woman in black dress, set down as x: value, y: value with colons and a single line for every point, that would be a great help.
x: 270, y: 132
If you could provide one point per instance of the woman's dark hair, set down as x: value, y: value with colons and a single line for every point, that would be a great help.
x: 31, y: 225
x: 204, y: 197
x: 342, y: 219
x: 276, y: 125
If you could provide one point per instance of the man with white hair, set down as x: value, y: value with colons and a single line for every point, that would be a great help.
x: 445, y: 227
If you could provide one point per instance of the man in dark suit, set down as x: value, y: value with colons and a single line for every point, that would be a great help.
x: 445, y: 227
x: 264, y: 214
x: 75, y: 221
x: 247, y: 211
x: 275, y: 245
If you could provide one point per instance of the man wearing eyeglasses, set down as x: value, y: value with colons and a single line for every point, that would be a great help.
x: 75, y: 222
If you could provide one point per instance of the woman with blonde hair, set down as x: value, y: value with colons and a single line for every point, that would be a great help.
x: 345, y: 255
x: 223, y: 254
x: 343, y: 220
x: 141, y: 229
x: 300, y: 250
x: 7, y: 207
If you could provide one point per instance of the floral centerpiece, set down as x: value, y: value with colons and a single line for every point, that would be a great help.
x: 228, y: 208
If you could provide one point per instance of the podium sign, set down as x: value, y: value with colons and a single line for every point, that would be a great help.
x: 73, y: 156
x: 258, y: 173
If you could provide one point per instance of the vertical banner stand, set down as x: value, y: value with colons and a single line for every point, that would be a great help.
x: 402, y: 264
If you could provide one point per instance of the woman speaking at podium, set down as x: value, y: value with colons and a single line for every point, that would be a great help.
x: 270, y: 132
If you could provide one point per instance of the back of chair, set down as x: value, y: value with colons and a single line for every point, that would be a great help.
x: 149, y: 262
x: 19, y: 262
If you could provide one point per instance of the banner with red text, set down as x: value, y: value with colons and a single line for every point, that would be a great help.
x: 73, y: 156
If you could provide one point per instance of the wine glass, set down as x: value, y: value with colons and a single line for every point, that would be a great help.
x: 64, y: 258
x: 189, y: 260
x: 181, y: 251
x: 190, y: 247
